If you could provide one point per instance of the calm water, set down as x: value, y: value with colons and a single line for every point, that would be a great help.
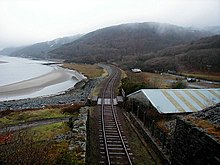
x: 19, y: 69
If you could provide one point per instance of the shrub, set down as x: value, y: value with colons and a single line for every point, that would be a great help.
x: 71, y: 108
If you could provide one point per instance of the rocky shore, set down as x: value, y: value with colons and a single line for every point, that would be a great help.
x: 79, y: 93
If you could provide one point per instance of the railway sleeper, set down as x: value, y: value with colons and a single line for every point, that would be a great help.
x: 116, y: 142
x: 118, y: 149
x: 119, y: 153
x: 110, y: 126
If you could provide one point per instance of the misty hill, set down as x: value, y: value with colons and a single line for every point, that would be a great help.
x: 39, y: 50
x: 200, y: 55
x: 212, y: 29
x: 8, y: 51
x: 112, y: 43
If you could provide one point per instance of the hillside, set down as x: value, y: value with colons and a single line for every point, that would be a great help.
x: 200, y: 55
x: 112, y: 43
x: 8, y: 51
x: 39, y: 50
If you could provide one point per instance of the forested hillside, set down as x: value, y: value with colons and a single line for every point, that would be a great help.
x: 202, y: 55
x: 39, y: 50
x: 113, y: 43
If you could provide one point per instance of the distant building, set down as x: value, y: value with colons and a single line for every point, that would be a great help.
x: 136, y: 70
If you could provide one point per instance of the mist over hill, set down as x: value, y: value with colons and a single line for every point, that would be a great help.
x: 39, y: 50
x: 112, y: 43
x: 149, y: 46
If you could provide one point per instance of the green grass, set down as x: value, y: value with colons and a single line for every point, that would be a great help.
x: 49, y: 131
x: 26, y: 116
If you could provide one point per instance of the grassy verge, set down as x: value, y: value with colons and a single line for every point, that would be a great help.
x: 140, y: 152
x: 36, y: 145
x: 91, y: 71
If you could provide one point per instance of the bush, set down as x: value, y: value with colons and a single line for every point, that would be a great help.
x: 130, y: 86
x: 71, y: 108
x: 178, y: 85
x: 22, y: 149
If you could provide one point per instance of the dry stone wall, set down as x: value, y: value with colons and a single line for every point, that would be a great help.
x: 191, y: 145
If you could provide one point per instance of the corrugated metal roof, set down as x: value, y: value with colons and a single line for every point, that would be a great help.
x: 180, y: 100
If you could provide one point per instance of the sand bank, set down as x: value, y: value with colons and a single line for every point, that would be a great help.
x: 58, y: 75
x: 1, y: 62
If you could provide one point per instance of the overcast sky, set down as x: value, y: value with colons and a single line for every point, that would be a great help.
x: 29, y: 21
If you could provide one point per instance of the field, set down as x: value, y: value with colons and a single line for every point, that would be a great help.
x: 91, y: 71
x: 44, y: 138
x: 18, y: 117
x: 206, y: 76
x: 164, y: 80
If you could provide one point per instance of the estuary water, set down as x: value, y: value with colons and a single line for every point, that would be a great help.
x: 25, y: 78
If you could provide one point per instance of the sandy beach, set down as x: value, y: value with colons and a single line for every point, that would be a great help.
x: 58, y: 75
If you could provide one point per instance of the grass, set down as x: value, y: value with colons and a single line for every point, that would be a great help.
x: 91, y: 71
x: 141, y: 154
x: 45, y: 135
x: 165, y: 81
x: 154, y: 80
x: 159, y: 81
x: 210, y: 128
x: 38, y: 141
x: 26, y: 116
x: 49, y: 131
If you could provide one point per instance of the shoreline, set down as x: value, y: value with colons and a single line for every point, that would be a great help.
x: 78, y: 93
x: 56, y: 76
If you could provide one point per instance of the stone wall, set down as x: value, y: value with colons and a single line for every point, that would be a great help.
x: 194, y: 138
x: 191, y: 145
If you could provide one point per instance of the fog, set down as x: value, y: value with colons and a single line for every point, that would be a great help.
x: 24, y: 22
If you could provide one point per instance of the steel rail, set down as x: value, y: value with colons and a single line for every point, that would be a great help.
x: 103, y: 123
x: 117, y: 125
x: 110, y: 85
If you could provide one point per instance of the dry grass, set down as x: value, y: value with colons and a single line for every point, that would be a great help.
x: 154, y: 80
x: 91, y: 71
x: 208, y: 127
x: 204, y: 75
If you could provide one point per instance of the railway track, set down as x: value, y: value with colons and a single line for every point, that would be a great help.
x: 113, y: 143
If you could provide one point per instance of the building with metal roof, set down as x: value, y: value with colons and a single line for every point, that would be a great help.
x: 167, y: 101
